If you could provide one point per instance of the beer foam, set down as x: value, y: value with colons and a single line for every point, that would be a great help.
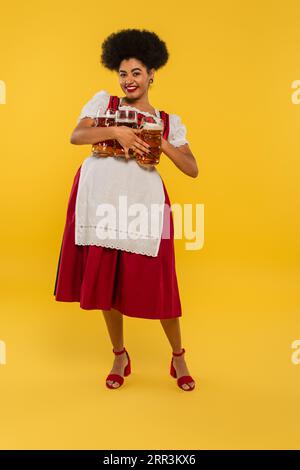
x: 153, y: 126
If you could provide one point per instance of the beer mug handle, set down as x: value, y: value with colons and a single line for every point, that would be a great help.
x: 142, y: 121
x: 96, y: 121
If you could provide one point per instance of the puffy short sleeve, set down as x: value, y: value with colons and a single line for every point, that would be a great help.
x: 98, y: 102
x: 177, y: 133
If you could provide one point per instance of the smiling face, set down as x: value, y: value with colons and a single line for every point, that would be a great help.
x: 133, y: 73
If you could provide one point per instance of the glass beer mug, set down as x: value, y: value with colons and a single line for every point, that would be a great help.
x: 151, y: 132
x: 106, y: 148
x: 125, y: 117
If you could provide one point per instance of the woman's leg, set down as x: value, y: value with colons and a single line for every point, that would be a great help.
x: 171, y: 327
x: 114, y: 323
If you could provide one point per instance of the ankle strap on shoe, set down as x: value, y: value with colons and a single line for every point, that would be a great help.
x: 179, y: 354
x: 119, y: 352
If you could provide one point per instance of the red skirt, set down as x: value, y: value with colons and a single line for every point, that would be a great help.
x: 103, y: 278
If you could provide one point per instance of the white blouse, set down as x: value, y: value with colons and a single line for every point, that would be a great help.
x: 107, y: 181
x: 177, y: 133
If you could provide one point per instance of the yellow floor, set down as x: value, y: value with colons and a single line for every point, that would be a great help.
x: 233, y: 79
x: 238, y: 326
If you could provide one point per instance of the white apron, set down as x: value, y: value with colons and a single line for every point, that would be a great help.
x: 120, y: 204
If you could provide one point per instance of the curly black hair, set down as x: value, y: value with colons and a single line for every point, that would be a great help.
x: 142, y: 45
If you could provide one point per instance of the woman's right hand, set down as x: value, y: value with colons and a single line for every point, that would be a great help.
x: 129, y: 139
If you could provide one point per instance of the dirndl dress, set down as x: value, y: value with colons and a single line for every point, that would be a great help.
x: 100, y: 277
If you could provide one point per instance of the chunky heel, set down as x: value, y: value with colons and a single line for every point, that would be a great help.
x: 127, y: 369
x: 172, y: 370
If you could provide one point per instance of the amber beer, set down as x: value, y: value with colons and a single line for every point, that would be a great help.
x: 129, y: 118
x: 152, y: 130
x: 105, y: 148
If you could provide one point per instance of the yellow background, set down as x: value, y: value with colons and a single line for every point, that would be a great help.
x: 229, y: 77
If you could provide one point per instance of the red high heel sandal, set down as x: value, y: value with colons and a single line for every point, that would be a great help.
x: 116, y: 377
x: 185, y: 379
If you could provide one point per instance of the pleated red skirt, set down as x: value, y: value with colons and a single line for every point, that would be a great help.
x: 103, y: 278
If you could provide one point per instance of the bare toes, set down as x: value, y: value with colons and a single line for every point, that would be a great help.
x: 188, y: 385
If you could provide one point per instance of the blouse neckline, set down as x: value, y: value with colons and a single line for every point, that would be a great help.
x: 138, y: 110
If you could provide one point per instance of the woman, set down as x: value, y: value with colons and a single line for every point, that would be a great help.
x: 134, y: 278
